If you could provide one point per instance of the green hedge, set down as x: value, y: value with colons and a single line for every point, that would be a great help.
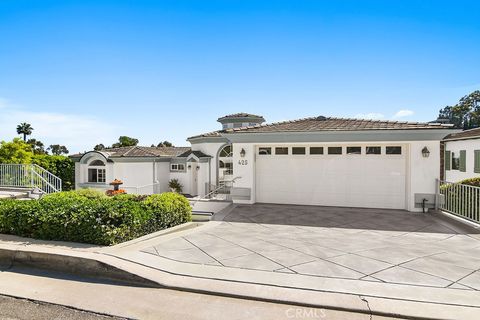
x: 90, y: 218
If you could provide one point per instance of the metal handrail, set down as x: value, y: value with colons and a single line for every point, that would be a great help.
x: 141, y: 187
x: 206, y: 196
x: 29, y: 176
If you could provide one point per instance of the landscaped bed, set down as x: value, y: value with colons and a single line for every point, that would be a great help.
x: 89, y: 216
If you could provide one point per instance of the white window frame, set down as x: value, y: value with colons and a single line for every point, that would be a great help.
x: 176, y: 167
x: 101, y: 172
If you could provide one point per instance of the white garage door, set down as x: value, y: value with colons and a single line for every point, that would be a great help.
x: 375, y: 178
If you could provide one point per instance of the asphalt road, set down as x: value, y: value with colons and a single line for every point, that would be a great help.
x: 22, y: 309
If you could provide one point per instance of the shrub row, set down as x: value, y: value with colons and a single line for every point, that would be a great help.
x: 90, y: 217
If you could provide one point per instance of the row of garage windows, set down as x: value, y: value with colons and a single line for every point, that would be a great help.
x: 389, y: 150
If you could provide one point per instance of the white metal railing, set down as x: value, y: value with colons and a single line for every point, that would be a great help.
x: 142, y: 190
x: 29, y: 176
x: 222, y: 187
x: 461, y: 200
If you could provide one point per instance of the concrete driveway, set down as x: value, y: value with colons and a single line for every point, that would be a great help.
x: 374, y: 245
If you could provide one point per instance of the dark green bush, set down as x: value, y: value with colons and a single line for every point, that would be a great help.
x: 81, y: 217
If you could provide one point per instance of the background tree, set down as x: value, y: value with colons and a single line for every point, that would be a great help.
x: 57, y: 149
x: 124, y: 141
x: 25, y: 129
x: 17, y: 151
x: 37, y: 146
x: 99, y: 147
x: 465, y: 114
x: 165, y: 144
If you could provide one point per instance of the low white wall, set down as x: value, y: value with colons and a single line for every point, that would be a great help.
x: 469, y: 146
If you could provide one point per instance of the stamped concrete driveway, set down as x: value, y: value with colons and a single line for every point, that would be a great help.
x: 390, y: 246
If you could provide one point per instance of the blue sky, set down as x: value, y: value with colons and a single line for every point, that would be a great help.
x: 85, y: 72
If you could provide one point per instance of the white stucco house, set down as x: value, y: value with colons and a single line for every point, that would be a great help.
x: 462, y: 155
x: 311, y: 161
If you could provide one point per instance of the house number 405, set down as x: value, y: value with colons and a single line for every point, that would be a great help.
x: 243, y: 162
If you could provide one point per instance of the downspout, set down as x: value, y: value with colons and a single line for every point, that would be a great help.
x: 209, y: 174
x: 155, y: 180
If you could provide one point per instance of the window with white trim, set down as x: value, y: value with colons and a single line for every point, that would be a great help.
x: 334, y: 150
x: 354, y: 150
x: 374, y: 150
x: 96, y: 172
x: 281, y: 150
x: 393, y: 150
x: 264, y: 151
x: 177, y: 167
x: 298, y: 150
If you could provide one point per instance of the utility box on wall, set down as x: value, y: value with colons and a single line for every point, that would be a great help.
x: 428, y: 200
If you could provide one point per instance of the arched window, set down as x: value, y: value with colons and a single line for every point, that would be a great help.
x: 97, y: 163
x: 96, y: 171
x: 226, y: 152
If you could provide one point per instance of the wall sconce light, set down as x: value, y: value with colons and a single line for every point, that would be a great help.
x: 198, y: 168
x: 242, y: 153
x: 425, y: 152
x: 189, y: 166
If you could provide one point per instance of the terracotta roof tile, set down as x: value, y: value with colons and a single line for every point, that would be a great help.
x: 139, y: 151
x: 335, y: 124
x: 467, y: 134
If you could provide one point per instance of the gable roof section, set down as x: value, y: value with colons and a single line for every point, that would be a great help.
x: 140, y: 152
x: 464, y: 135
x: 315, y: 124
x: 198, y: 154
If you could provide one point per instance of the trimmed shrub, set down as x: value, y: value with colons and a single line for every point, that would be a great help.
x: 83, y: 216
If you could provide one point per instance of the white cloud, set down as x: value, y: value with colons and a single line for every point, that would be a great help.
x: 371, y: 115
x: 77, y: 132
x: 3, y: 103
x: 403, y: 113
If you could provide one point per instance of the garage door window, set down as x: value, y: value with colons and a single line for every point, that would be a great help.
x: 374, y: 150
x: 298, y: 150
x: 281, y: 150
x: 264, y: 151
x: 334, y: 150
x: 316, y: 150
x: 394, y: 150
x: 354, y: 150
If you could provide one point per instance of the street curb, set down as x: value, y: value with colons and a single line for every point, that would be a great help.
x: 79, y: 266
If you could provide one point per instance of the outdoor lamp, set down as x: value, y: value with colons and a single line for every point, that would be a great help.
x: 242, y: 153
x: 425, y: 152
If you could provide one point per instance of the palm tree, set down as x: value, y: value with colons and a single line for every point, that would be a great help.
x: 25, y: 129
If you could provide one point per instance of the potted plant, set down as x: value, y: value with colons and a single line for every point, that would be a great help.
x: 175, y: 186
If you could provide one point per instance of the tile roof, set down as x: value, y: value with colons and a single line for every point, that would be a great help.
x: 241, y: 115
x: 467, y: 134
x: 139, y: 151
x: 335, y: 124
x: 198, y: 154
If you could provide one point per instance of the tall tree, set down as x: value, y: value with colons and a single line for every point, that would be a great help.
x: 465, y: 114
x: 124, y: 141
x: 37, y: 146
x: 165, y: 144
x: 25, y: 129
x: 57, y: 149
